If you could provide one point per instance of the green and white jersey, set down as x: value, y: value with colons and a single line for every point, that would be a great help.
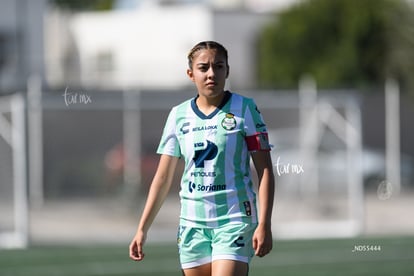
x: 216, y: 186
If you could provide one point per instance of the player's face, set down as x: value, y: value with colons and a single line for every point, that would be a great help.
x: 209, y: 72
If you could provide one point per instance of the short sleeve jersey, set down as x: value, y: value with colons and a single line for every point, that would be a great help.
x: 216, y: 186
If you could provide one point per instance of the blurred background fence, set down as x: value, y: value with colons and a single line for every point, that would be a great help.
x: 97, y: 158
x: 86, y: 86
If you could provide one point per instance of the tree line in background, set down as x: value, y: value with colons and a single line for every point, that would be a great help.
x: 82, y: 5
x: 341, y: 43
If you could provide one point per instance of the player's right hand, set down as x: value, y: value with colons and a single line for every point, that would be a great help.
x: 136, y: 252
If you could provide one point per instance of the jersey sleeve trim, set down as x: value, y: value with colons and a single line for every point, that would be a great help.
x: 169, y: 144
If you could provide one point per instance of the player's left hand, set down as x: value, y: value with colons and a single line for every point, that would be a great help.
x: 262, y: 240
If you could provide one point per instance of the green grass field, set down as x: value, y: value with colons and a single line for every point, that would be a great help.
x: 374, y: 256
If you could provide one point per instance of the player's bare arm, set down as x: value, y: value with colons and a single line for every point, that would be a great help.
x: 262, y: 239
x: 159, y: 189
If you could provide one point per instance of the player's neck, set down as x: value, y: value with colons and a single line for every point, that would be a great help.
x: 207, y: 105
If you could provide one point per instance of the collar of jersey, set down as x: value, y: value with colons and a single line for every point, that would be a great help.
x: 227, y: 96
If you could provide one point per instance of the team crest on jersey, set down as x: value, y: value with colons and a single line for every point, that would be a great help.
x: 229, y: 122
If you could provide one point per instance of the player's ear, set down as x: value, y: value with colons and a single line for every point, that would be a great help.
x: 228, y: 71
x: 190, y: 74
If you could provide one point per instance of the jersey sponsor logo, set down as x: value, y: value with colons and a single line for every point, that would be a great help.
x: 205, y: 188
x: 200, y: 128
x: 185, y: 128
x: 201, y: 155
x: 203, y: 174
x: 229, y: 122
x: 191, y: 186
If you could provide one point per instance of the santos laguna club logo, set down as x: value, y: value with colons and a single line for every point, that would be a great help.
x: 229, y: 122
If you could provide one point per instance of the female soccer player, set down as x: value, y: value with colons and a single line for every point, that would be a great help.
x: 215, y: 133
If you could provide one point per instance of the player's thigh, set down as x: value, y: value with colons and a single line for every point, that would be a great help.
x: 202, y: 270
x: 229, y: 268
x: 194, y: 246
